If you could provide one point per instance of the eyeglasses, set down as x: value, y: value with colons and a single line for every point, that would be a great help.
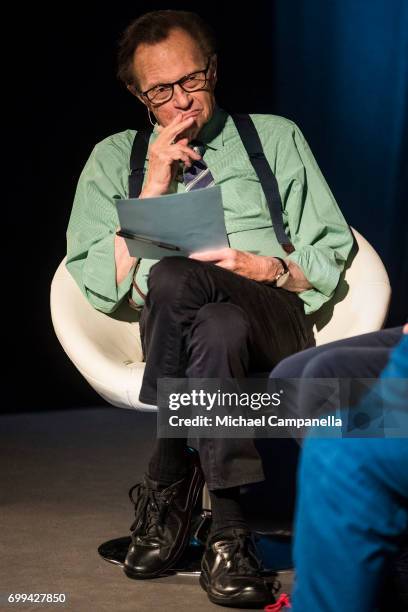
x: 159, y: 94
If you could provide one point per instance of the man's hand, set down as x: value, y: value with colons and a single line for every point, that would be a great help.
x: 256, y: 267
x: 165, y: 153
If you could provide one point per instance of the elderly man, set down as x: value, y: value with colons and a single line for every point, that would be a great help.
x: 215, y: 314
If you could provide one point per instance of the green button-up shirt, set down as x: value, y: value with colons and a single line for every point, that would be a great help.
x: 311, y: 216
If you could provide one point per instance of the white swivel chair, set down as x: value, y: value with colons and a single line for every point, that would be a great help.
x: 107, y: 351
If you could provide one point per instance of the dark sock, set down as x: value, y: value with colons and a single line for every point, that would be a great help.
x: 169, y: 461
x: 226, y: 510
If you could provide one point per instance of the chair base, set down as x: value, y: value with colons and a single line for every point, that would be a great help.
x: 114, y: 551
x: 274, y: 549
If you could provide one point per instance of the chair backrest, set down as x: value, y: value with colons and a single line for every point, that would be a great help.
x: 361, y: 301
x: 107, y: 351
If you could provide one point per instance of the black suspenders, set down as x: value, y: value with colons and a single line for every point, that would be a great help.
x: 137, y: 160
x: 253, y: 146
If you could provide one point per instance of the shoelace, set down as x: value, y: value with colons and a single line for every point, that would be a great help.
x: 283, y: 603
x: 243, y: 555
x: 150, y: 508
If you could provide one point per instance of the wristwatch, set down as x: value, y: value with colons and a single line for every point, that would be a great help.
x: 281, y: 278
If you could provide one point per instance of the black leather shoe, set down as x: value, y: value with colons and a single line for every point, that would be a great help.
x: 161, y: 529
x: 231, y: 571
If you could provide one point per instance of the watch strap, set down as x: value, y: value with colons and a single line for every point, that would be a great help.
x: 284, y: 265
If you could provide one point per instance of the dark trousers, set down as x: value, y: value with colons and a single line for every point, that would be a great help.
x: 362, y: 356
x: 203, y: 321
x: 352, y: 501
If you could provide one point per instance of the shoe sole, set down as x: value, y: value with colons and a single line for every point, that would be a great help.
x: 233, y: 602
x: 132, y: 574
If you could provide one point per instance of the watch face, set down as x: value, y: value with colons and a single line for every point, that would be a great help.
x: 282, y: 280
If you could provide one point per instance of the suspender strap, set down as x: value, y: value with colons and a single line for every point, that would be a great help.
x: 253, y: 146
x: 137, y: 160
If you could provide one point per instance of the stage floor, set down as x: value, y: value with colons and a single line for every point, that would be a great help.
x: 64, y: 486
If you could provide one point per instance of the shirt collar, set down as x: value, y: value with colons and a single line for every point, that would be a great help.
x: 212, y: 133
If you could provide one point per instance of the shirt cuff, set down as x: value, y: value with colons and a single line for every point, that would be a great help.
x: 99, y: 276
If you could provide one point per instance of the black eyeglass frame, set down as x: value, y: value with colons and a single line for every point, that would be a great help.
x: 179, y: 82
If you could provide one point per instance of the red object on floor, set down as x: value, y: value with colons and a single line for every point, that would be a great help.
x: 281, y: 604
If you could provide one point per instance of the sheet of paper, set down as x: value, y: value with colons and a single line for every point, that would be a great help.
x: 192, y: 221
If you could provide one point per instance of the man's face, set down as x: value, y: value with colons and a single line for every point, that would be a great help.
x: 168, y: 61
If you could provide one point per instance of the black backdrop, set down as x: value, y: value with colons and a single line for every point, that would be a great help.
x: 338, y: 69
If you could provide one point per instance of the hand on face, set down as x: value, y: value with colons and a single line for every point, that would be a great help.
x: 165, y: 153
